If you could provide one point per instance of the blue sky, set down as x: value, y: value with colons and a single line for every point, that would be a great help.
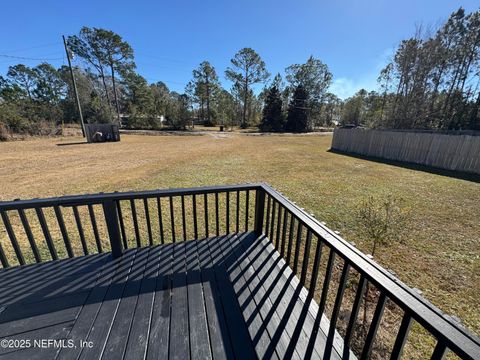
x: 354, y: 38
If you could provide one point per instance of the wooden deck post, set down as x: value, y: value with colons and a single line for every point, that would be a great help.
x: 111, y: 218
x: 259, y: 210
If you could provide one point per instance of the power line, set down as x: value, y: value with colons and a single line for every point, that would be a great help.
x: 33, y: 47
x: 166, y: 81
x: 144, y: 64
x: 165, y: 58
x: 28, y: 58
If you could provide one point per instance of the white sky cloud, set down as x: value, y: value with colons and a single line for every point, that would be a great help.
x: 345, y: 87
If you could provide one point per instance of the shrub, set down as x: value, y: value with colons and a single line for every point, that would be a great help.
x: 12, y: 119
x: 4, y: 133
x: 382, y: 220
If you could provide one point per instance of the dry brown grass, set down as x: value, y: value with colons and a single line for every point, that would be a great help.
x: 440, y: 257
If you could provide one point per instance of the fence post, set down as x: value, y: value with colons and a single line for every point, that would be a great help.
x: 259, y: 210
x: 111, y: 218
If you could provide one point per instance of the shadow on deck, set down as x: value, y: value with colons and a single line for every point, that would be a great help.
x: 222, y: 297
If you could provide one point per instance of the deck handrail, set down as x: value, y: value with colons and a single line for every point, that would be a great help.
x: 232, y: 209
x: 98, y: 198
x: 110, y: 205
x: 448, y: 332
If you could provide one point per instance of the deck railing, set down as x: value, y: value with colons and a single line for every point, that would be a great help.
x: 118, y: 221
x: 49, y: 229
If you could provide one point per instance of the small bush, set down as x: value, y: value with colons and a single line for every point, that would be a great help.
x: 42, y: 128
x: 382, y: 220
x: 11, y: 118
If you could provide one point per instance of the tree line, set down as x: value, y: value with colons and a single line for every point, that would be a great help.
x: 35, y: 99
x: 432, y: 82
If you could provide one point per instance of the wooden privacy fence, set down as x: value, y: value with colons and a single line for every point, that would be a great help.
x: 458, y: 152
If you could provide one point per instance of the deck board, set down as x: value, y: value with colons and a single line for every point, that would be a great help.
x: 120, y: 330
x: 239, y: 336
x: 100, y: 329
x: 225, y: 297
x: 272, y: 275
x: 199, y: 339
x: 157, y: 345
x: 239, y: 275
x: 259, y: 298
x: 136, y: 347
x: 179, y: 327
x: 220, y: 343
x: 87, y: 316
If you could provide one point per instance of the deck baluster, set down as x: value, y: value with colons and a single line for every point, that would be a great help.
x: 205, y: 206
x: 316, y: 268
x: 135, y: 222
x: 306, y: 257
x: 237, y: 215
x: 122, y: 224
x: 290, y: 240
x: 326, y: 282
x: 267, y: 218
x: 28, y: 232
x: 272, y: 223
x: 147, y: 220
x: 184, y: 220
x: 284, y: 233
x: 195, y: 225
x: 401, y: 338
x: 298, y: 242
x: 247, y: 207
x: 439, y: 352
x: 372, y: 331
x: 93, y: 221
x: 81, y: 233
x: 336, y: 310
x: 46, y: 233
x: 259, y: 211
x: 217, y: 217
x: 13, y: 238
x: 276, y: 240
x: 63, y: 230
x: 3, y: 258
x: 160, y: 220
x: 172, y: 219
x: 355, y: 308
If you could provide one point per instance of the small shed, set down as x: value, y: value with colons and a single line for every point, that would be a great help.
x: 102, y: 132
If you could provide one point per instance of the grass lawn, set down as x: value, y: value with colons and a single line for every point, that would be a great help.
x: 441, y: 255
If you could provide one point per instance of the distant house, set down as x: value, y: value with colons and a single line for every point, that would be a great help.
x: 126, y: 121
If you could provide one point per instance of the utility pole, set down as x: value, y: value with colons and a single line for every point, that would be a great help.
x: 74, y: 86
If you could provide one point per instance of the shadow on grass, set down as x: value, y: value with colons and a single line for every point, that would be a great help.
x: 73, y: 143
x: 413, y: 166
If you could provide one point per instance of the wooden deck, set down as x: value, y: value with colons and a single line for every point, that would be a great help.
x: 223, y: 297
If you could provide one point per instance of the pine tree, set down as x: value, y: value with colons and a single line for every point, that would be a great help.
x: 297, y: 119
x: 272, y: 119
x: 205, y: 88
x: 247, y: 69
